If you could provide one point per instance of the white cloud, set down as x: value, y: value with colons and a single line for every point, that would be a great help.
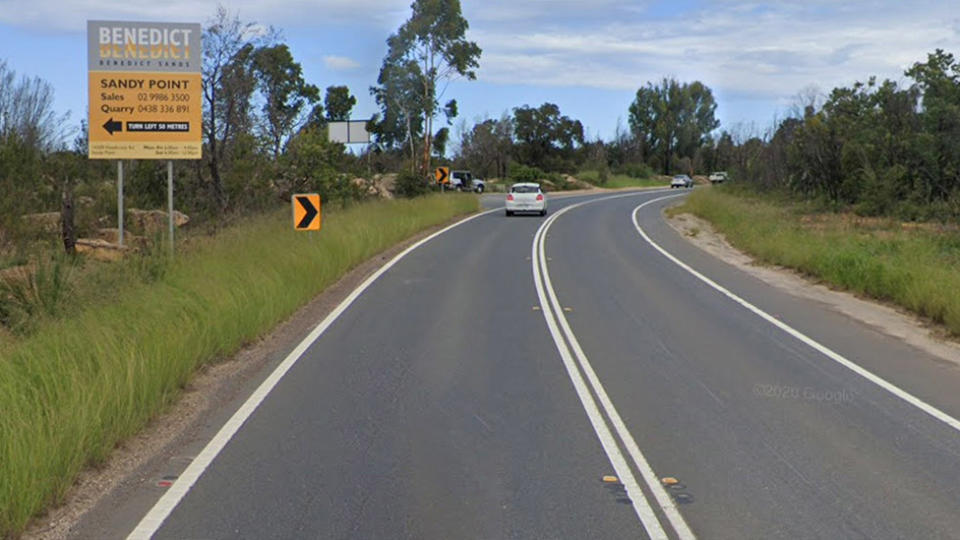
x: 539, y: 13
x: 340, y: 63
x: 769, y: 49
x: 73, y: 14
x: 743, y: 49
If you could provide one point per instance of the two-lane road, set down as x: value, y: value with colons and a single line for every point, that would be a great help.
x: 434, y: 407
x: 476, y: 390
x: 772, y: 438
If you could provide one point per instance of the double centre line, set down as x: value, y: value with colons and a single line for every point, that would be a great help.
x: 604, y: 415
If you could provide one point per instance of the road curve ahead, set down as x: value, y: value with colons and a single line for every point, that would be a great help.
x: 769, y: 436
x: 434, y: 407
x: 486, y: 384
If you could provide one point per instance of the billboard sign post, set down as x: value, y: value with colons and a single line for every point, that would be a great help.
x: 146, y: 96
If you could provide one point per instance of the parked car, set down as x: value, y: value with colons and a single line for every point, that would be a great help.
x: 681, y: 181
x: 526, y: 197
x: 718, y: 177
x: 464, y: 180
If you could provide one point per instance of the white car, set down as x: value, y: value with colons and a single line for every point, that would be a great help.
x: 461, y: 180
x: 718, y: 177
x: 681, y: 181
x: 526, y: 197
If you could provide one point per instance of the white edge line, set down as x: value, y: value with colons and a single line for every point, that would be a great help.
x: 646, y: 471
x: 829, y: 353
x: 638, y: 500
x: 154, y: 519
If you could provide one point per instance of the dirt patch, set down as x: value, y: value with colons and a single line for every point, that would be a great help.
x: 203, y: 398
x: 889, y: 319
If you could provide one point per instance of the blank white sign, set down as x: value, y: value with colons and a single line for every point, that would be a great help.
x: 349, y: 132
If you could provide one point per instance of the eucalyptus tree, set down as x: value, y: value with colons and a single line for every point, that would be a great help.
x: 672, y: 118
x: 429, y: 50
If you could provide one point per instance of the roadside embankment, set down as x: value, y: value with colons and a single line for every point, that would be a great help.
x: 912, y: 265
x: 74, y: 388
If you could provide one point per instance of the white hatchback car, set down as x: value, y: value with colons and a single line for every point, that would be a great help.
x: 681, y: 181
x: 526, y: 197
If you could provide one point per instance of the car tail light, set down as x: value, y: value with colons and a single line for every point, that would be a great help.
x: 540, y: 197
x: 510, y: 197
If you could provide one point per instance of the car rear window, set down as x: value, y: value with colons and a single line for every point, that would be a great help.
x: 524, y: 189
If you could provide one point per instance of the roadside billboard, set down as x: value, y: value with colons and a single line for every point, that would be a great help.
x: 349, y: 131
x: 146, y: 99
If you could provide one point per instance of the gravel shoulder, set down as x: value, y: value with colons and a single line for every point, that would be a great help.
x: 886, y: 318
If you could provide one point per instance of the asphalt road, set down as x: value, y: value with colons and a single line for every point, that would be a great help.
x: 456, y: 399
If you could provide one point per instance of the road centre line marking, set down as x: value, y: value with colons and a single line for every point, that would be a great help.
x: 154, y: 519
x: 553, y: 313
x: 829, y: 353
x: 638, y: 500
x: 633, y: 449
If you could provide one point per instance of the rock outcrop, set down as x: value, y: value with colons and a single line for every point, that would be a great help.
x: 101, y: 249
x: 151, y: 222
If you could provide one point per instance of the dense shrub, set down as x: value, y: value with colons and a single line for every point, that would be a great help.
x: 524, y: 173
x: 880, y: 148
x: 636, y: 170
x: 410, y: 184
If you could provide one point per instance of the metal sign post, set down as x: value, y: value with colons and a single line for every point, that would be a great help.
x: 170, y: 201
x: 120, y: 202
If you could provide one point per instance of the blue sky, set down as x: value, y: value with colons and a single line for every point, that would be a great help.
x: 589, y: 57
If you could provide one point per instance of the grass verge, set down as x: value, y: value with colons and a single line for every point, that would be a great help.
x: 615, y: 181
x: 913, y: 266
x: 74, y: 388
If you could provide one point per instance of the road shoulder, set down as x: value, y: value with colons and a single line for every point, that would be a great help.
x: 130, y: 477
x: 885, y: 318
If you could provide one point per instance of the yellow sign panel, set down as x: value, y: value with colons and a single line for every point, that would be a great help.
x: 307, y: 212
x: 145, y: 115
x: 442, y: 174
x: 146, y: 99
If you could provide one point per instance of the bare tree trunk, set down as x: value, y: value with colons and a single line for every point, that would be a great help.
x: 413, y: 154
x: 216, y: 183
x: 428, y: 126
x: 428, y: 106
x: 67, y: 228
x: 426, y: 151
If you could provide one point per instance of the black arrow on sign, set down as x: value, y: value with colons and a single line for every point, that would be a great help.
x: 311, y: 212
x: 111, y: 126
x: 441, y: 174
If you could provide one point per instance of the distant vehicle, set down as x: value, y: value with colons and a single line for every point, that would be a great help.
x: 681, y: 181
x: 526, y: 197
x: 463, y: 180
x: 718, y: 177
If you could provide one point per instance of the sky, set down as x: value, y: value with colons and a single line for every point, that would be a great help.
x: 587, y: 56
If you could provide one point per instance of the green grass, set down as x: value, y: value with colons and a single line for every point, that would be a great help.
x: 6, y: 261
x: 74, y: 388
x: 917, y: 268
x: 615, y: 181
